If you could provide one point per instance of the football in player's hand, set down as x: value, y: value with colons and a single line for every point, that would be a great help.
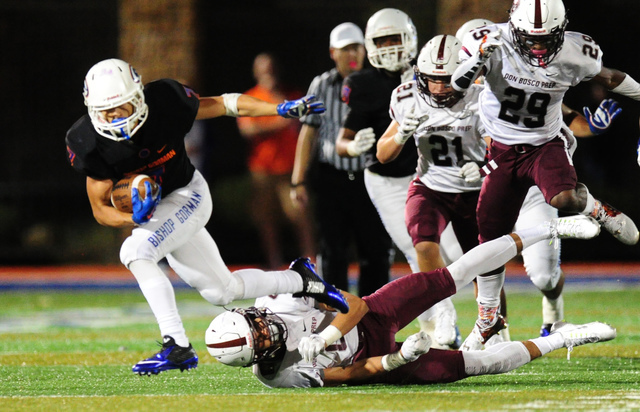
x: 121, y: 191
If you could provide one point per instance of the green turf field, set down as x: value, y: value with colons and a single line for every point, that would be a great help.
x: 74, y: 351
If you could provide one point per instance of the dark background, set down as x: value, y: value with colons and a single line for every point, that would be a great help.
x: 48, y: 46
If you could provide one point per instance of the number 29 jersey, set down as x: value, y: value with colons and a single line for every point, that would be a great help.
x: 521, y: 104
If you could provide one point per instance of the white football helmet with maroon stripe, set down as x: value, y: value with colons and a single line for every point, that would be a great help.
x: 538, y: 27
x: 243, y: 337
x: 109, y: 84
x: 437, y: 61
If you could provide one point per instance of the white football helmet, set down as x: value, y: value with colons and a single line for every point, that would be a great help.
x: 243, y: 337
x: 112, y: 83
x: 537, y: 27
x: 437, y: 61
x: 471, y: 25
x: 388, y: 22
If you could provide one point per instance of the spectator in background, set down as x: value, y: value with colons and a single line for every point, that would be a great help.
x: 272, y: 143
x: 343, y: 209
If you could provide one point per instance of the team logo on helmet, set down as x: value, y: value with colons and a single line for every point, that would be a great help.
x: 516, y: 4
x: 134, y: 74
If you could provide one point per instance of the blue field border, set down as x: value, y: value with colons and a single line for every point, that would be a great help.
x: 609, y: 275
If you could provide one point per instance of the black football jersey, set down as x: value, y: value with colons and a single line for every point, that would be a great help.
x: 157, y: 149
x: 368, y: 93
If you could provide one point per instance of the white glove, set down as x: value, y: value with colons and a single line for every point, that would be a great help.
x: 415, y: 345
x: 489, y: 43
x: 363, y: 141
x: 310, y: 347
x: 408, y: 126
x: 470, y: 171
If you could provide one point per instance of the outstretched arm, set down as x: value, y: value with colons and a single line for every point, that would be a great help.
x: 236, y: 105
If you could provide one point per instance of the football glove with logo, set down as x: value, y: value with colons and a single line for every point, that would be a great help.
x: 143, y: 208
x: 295, y: 109
x: 600, y: 121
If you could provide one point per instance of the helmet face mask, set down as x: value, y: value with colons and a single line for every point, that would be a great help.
x: 243, y: 337
x: 537, y: 27
x: 391, y: 57
x: 437, y: 61
x: 111, y: 84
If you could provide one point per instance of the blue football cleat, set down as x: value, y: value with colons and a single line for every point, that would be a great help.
x: 545, y: 330
x: 315, y: 287
x: 171, y: 356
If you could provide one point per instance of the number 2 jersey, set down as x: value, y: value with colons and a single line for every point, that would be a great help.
x: 302, y: 319
x: 446, y: 138
x: 157, y: 149
x: 522, y: 104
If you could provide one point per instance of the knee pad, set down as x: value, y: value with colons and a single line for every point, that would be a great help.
x: 544, y: 271
x: 219, y: 295
x: 137, y: 247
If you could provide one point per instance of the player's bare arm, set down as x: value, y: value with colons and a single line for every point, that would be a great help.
x: 609, y: 78
x: 345, y: 136
x: 214, y: 106
x: 415, y: 346
x: 387, y: 147
x: 359, y: 371
x: 344, y: 322
x: 99, y: 192
x: 306, y: 141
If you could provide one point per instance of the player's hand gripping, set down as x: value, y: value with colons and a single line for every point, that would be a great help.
x: 143, y: 208
x: 408, y: 126
x: 470, y: 171
x: 600, y: 121
x: 489, y: 44
x: 362, y: 142
x: 295, y: 109
x: 415, y: 345
x: 310, y: 347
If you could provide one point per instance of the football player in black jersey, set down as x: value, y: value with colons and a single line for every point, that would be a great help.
x: 392, y: 46
x: 131, y: 129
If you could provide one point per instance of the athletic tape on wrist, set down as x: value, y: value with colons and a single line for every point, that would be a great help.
x: 629, y: 87
x: 400, y: 139
x: 393, y: 361
x: 231, y: 103
x: 330, y: 334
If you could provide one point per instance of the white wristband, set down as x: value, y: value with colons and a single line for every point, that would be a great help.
x: 629, y: 87
x: 393, y: 361
x: 330, y: 334
x: 352, y: 149
x: 231, y: 103
x: 400, y: 139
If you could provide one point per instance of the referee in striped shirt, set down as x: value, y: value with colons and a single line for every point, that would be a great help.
x: 342, y: 207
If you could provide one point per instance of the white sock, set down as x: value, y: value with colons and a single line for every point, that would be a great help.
x: 591, y: 205
x: 552, y: 309
x: 158, y: 292
x: 489, y: 288
x: 482, y: 259
x: 500, y: 358
x: 549, y: 343
x: 532, y: 235
x: 260, y: 283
